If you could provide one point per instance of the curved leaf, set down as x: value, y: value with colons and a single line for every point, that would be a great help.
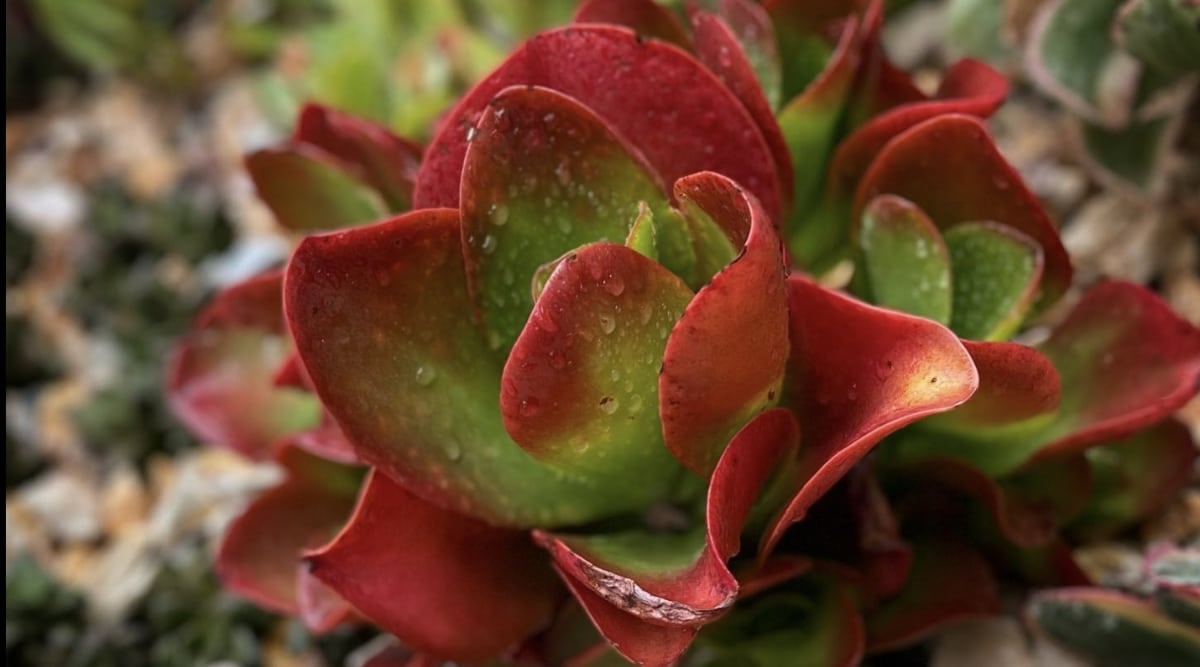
x: 905, y: 262
x: 645, y: 17
x: 308, y: 189
x: 997, y: 271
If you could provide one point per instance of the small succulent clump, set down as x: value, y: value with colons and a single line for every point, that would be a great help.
x: 560, y: 388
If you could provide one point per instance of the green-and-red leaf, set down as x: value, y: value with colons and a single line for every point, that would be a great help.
x: 997, y: 271
x: 425, y: 574
x: 905, y: 264
x: 725, y: 358
x: 543, y: 176
x: 381, y: 318
x: 580, y: 388
x: 308, y: 189
x: 640, y: 87
x: 857, y: 373
x: 951, y: 169
x: 221, y: 379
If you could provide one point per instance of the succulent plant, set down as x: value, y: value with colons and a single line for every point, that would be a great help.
x: 603, y: 417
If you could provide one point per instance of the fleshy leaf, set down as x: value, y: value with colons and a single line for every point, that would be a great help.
x: 950, y: 582
x: 433, y: 572
x: 733, y: 335
x: 544, y: 176
x: 720, y: 50
x: 381, y: 318
x: 1135, y: 155
x: 996, y: 271
x: 855, y: 374
x: 1161, y: 33
x: 635, y: 85
x: 385, y: 161
x: 1127, y: 361
x: 969, y: 87
x: 950, y: 168
x: 680, y: 579
x: 754, y: 30
x: 1136, y: 477
x: 580, y: 388
x: 643, y: 235
x: 645, y: 17
x: 1070, y: 55
x: 260, y: 557
x: 1019, y: 391
x: 308, y: 189
x: 823, y: 627
x: 221, y: 378
x: 640, y: 642
x: 1113, y: 629
x: 905, y: 263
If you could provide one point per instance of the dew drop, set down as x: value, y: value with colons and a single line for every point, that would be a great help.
x: 452, y: 449
x: 499, y: 214
x: 614, y: 285
x: 529, y: 407
x: 425, y: 376
x: 609, y: 405
x: 635, y: 404
x: 488, y: 246
x: 471, y: 133
x: 852, y: 394
x: 607, y: 324
x: 578, y: 444
x: 615, y: 374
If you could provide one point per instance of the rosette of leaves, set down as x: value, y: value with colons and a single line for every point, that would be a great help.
x: 602, y: 419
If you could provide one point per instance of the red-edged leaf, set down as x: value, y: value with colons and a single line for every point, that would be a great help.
x: 386, y: 161
x: 639, y: 87
x: 951, y: 169
x: 1051, y: 564
x: 725, y: 358
x: 1136, y: 477
x: 543, y: 176
x: 719, y: 49
x: 857, y: 373
x: 997, y: 272
x: 221, y: 378
x: 813, y: 14
x: 381, y: 318
x: 681, y: 579
x: 640, y: 642
x: 950, y: 582
x: 645, y: 17
x: 969, y: 87
x: 580, y: 387
x: 260, y: 557
x: 755, y: 31
x: 1127, y: 360
x: 426, y: 575
x: 905, y: 264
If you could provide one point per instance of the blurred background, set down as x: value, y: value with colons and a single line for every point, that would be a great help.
x: 127, y: 206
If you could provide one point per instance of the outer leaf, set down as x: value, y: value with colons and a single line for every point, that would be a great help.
x: 1135, y: 155
x: 432, y: 573
x: 1071, y: 55
x: 905, y: 263
x: 543, y: 176
x: 950, y: 582
x: 645, y: 17
x: 220, y: 381
x: 642, y: 643
x: 1113, y: 629
x: 755, y: 31
x: 651, y: 83
x: 733, y: 335
x: 1128, y: 361
x: 308, y: 189
x: 260, y: 555
x: 680, y: 579
x: 385, y: 161
x: 381, y: 319
x: 997, y: 271
x: 717, y: 46
x: 581, y: 384
x: 857, y: 373
x: 969, y: 180
x: 1136, y: 477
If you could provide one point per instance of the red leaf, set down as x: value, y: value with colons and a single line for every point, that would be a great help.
x: 428, y: 575
x: 645, y: 17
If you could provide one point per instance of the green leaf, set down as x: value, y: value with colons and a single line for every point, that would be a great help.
x: 310, y: 190
x: 1134, y: 154
x: 905, y: 262
x: 1164, y: 34
x: 997, y: 271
